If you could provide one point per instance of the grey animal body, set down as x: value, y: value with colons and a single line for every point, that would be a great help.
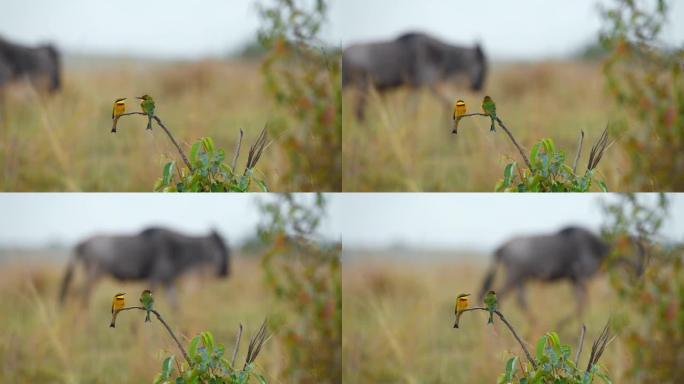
x: 573, y: 253
x: 157, y: 255
x: 413, y: 59
x: 39, y: 64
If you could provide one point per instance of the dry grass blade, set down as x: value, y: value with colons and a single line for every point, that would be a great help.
x: 256, y: 149
x: 579, y: 151
x: 583, y: 331
x: 599, y: 345
x: 255, y: 344
x: 237, y: 342
x: 597, y: 150
x: 237, y: 151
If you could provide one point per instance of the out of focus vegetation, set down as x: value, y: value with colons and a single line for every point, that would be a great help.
x: 304, y: 78
x: 305, y: 277
x: 646, y: 80
x: 650, y: 318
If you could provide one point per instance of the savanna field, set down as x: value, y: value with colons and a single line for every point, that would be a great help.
x: 63, y: 142
x: 47, y: 343
x: 398, y: 318
x: 405, y: 143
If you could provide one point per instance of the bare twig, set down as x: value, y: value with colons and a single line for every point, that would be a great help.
x: 255, y: 344
x: 237, y: 342
x: 597, y: 150
x: 508, y: 132
x: 237, y: 151
x: 599, y: 345
x: 581, y: 343
x: 168, y: 133
x: 510, y: 327
x: 579, y: 151
x: 161, y: 320
x: 256, y: 149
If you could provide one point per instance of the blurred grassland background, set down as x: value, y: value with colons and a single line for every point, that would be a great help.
x: 398, y: 319
x: 406, y: 143
x: 41, y: 338
x: 62, y: 142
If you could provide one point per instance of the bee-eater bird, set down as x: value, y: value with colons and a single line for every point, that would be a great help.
x: 459, y: 110
x: 489, y: 108
x: 147, y: 106
x: 118, y: 302
x: 461, y: 304
x: 490, y: 303
x: 117, y: 110
x: 147, y: 301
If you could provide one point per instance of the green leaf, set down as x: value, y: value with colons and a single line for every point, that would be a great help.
x: 541, y: 344
x: 208, y: 144
x: 168, y: 173
x: 192, y: 349
x: 603, y: 186
x: 533, y: 152
x: 510, y: 369
x: 208, y: 340
x: 193, y: 151
x: 261, y: 184
x: 167, y: 366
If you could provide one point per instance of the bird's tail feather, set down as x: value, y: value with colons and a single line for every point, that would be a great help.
x: 116, y: 120
x: 147, y: 317
x: 149, y: 123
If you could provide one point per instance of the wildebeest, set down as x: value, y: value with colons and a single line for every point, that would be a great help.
x: 573, y: 253
x: 413, y: 59
x: 39, y: 64
x: 157, y: 255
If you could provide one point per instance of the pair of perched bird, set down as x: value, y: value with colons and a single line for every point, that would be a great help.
x: 488, y: 107
x: 119, y: 108
x: 119, y: 302
x: 462, y: 304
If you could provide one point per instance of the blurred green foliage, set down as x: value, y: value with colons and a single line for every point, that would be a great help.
x: 305, y: 275
x: 554, y: 365
x: 651, y: 320
x: 645, y: 78
x: 305, y: 79
x: 209, y: 171
x: 548, y: 173
x: 209, y: 364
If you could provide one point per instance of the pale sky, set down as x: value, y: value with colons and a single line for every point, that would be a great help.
x: 176, y: 29
x: 521, y: 29
x: 472, y: 221
x: 37, y: 219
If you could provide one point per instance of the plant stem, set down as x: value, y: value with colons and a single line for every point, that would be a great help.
x: 510, y: 135
x: 581, y: 343
x: 510, y: 327
x: 161, y: 320
x: 168, y: 133
x: 579, y: 151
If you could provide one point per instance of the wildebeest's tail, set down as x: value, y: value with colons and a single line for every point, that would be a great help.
x: 69, y: 274
x: 491, y: 274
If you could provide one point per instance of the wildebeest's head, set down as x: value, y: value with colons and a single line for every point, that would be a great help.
x: 478, y: 69
x: 223, y: 256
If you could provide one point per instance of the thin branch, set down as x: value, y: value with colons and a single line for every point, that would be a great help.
x: 161, y: 320
x: 173, y: 140
x: 510, y: 327
x: 599, y: 345
x: 581, y: 343
x: 508, y: 132
x: 168, y: 133
x: 237, y: 151
x: 579, y: 151
x: 237, y: 343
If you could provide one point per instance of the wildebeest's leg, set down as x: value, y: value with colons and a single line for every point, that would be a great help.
x: 446, y: 102
x: 92, y: 273
x: 171, y: 291
x: 361, y: 101
x: 581, y: 296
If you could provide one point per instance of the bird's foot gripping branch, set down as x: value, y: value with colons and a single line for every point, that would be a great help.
x: 206, y: 169
x: 545, y: 169
x: 552, y: 362
x: 205, y: 361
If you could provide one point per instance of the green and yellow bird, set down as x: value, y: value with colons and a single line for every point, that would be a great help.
x: 147, y: 106
x: 461, y: 304
x: 490, y: 303
x: 459, y: 110
x: 489, y: 108
x: 118, y: 302
x: 147, y: 301
x: 118, y: 109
